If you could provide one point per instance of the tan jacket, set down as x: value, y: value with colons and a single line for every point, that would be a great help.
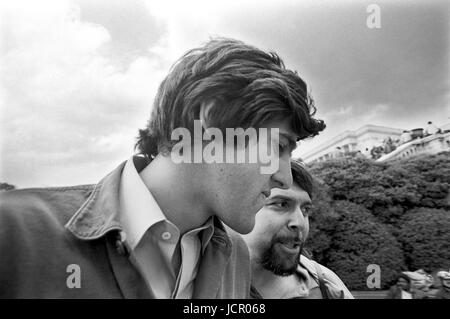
x: 312, y: 273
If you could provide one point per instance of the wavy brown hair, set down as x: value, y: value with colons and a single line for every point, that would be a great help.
x: 246, y: 86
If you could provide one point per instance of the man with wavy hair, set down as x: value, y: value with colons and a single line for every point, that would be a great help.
x: 154, y: 227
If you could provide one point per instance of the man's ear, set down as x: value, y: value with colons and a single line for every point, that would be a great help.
x: 205, y: 109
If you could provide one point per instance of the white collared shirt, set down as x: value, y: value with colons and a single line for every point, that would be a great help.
x: 152, y: 239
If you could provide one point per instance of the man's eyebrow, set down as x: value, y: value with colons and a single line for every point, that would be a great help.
x: 290, y: 198
x: 308, y: 203
x: 282, y: 197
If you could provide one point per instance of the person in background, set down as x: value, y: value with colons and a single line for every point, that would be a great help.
x: 431, y: 129
x: 444, y: 290
x: 420, y: 283
x: 280, y: 270
x: 402, y: 288
x: 405, y: 137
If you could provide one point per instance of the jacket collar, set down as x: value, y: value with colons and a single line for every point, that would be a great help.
x: 99, y: 214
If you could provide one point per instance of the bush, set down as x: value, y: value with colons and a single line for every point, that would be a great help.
x: 6, y: 187
x: 358, y: 241
x: 322, y: 221
x: 389, y: 189
x: 425, y: 237
x: 393, y: 214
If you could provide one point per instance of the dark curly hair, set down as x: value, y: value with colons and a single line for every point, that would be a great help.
x: 302, y: 177
x: 246, y: 86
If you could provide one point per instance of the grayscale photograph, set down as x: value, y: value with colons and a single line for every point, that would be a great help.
x: 254, y: 150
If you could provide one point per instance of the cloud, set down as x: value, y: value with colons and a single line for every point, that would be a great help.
x: 66, y: 104
x: 78, y: 77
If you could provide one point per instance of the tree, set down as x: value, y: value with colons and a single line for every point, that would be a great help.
x: 359, y: 240
x: 425, y: 237
x: 322, y: 221
x: 389, y: 189
x: 6, y: 187
x: 393, y: 214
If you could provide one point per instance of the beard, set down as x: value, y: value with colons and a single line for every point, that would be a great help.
x: 278, y: 261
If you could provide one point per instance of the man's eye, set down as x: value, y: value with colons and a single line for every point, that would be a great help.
x: 282, y: 148
x: 307, y: 210
x: 280, y: 205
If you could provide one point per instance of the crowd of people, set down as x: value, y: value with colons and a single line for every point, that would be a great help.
x: 407, y: 135
x: 421, y: 285
x: 390, y: 144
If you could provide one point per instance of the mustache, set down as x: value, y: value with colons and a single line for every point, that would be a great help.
x: 291, y: 239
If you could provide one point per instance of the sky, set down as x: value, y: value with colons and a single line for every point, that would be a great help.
x: 77, y: 78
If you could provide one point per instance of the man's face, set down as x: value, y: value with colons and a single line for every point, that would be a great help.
x: 237, y: 191
x: 281, y: 228
x: 403, y: 284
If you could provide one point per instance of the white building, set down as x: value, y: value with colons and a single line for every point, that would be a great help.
x: 362, y: 140
x: 431, y: 144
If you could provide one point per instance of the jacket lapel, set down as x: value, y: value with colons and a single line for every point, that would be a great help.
x: 99, y: 217
x: 213, y: 264
x: 131, y: 283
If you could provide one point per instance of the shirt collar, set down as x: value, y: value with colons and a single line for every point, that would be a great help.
x: 140, y: 211
x: 100, y: 214
x: 207, y: 233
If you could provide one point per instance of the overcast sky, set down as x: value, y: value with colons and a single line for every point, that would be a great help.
x: 77, y: 78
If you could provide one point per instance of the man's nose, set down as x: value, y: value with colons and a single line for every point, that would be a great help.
x: 297, y: 220
x: 282, y: 178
